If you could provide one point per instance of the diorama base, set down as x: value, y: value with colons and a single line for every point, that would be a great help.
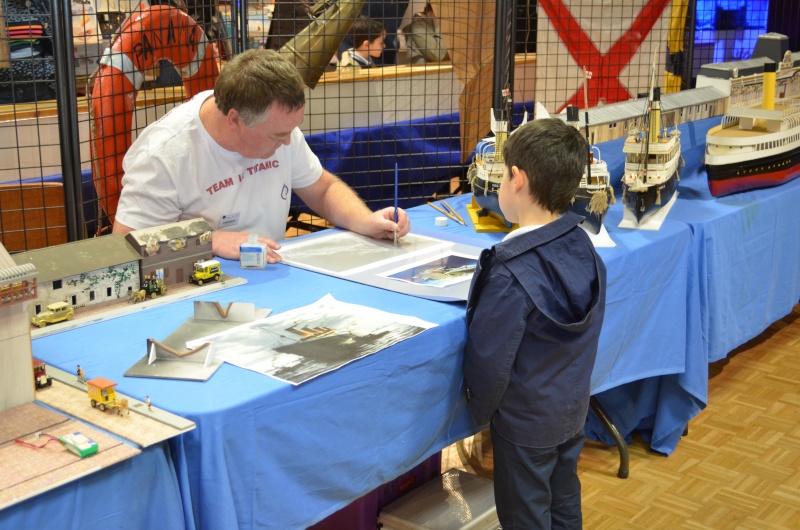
x: 92, y: 314
x: 653, y: 222
x: 144, y: 426
x: 486, y: 223
x: 26, y: 472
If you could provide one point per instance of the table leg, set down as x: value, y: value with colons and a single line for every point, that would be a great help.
x: 609, y: 426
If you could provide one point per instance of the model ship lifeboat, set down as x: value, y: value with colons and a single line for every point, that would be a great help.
x: 756, y: 147
x: 595, y: 194
x: 651, y: 166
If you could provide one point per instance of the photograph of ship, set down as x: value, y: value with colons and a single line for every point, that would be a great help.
x: 757, y: 145
x: 306, y: 342
x: 440, y: 271
x: 342, y: 253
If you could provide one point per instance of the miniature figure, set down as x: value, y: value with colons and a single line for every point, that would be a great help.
x: 54, y: 313
x: 147, y: 400
x: 81, y: 375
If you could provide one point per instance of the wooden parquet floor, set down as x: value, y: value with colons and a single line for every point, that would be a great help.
x: 737, y: 468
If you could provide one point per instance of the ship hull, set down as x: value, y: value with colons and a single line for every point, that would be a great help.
x: 727, y: 179
x: 488, y: 199
x: 643, y: 204
x: 592, y: 221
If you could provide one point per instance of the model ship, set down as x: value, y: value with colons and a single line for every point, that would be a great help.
x: 651, y: 161
x: 595, y: 192
x: 486, y: 170
x: 758, y: 147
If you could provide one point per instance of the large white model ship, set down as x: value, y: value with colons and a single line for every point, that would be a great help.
x: 757, y: 146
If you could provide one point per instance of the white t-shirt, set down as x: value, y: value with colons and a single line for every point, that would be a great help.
x: 176, y: 171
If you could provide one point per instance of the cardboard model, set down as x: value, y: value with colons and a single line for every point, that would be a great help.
x: 171, y: 359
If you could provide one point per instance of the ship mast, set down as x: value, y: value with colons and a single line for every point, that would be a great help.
x: 652, y: 119
x: 587, y: 75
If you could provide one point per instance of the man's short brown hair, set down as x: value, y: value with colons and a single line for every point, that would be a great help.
x: 256, y: 79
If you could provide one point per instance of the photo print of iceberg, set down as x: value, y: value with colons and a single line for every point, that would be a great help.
x: 303, y: 343
x: 439, y: 271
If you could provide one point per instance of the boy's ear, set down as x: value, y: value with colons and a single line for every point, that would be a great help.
x: 519, y: 179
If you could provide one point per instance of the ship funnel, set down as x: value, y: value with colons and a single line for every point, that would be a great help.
x: 768, y: 89
x: 573, y: 118
x: 312, y: 49
x: 655, y: 114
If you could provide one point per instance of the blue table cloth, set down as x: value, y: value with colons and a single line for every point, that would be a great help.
x: 746, y: 254
x: 266, y: 454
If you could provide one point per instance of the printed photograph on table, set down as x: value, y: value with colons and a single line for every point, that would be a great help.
x: 343, y: 253
x: 306, y: 342
x: 439, y: 271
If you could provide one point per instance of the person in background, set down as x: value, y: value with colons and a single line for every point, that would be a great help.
x: 234, y: 156
x: 368, y: 43
x: 534, y: 314
x: 424, y: 39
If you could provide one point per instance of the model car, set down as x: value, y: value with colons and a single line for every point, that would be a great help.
x: 53, y: 313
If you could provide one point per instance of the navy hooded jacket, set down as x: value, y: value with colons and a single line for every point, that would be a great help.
x: 534, y: 315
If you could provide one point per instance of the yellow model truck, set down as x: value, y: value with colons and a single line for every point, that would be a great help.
x: 205, y: 271
x: 103, y: 395
x: 53, y: 313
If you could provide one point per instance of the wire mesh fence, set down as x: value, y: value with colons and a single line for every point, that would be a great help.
x: 423, y: 105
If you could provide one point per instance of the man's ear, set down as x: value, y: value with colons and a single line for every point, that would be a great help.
x: 234, y: 120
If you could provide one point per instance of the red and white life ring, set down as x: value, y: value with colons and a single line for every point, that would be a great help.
x: 149, y: 35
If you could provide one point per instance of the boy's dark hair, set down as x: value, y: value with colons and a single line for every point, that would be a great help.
x: 553, y: 155
x: 366, y: 29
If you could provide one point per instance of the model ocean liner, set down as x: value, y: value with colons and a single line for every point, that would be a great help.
x: 651, y: 161
x: 758, y: 147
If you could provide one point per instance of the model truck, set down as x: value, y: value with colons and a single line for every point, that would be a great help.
x: 102, y: 395
x: 205, y: 271
x: 40, y: 377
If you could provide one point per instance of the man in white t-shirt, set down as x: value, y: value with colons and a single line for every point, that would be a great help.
x: 234, y: 156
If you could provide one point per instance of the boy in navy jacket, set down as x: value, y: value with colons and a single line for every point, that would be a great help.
x: 534, y: 314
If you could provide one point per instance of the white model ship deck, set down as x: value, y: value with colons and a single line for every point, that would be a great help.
x: 663, y: 156
x: 749, y: 133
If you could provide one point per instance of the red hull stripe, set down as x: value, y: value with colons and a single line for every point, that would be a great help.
x: 720, y: 188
